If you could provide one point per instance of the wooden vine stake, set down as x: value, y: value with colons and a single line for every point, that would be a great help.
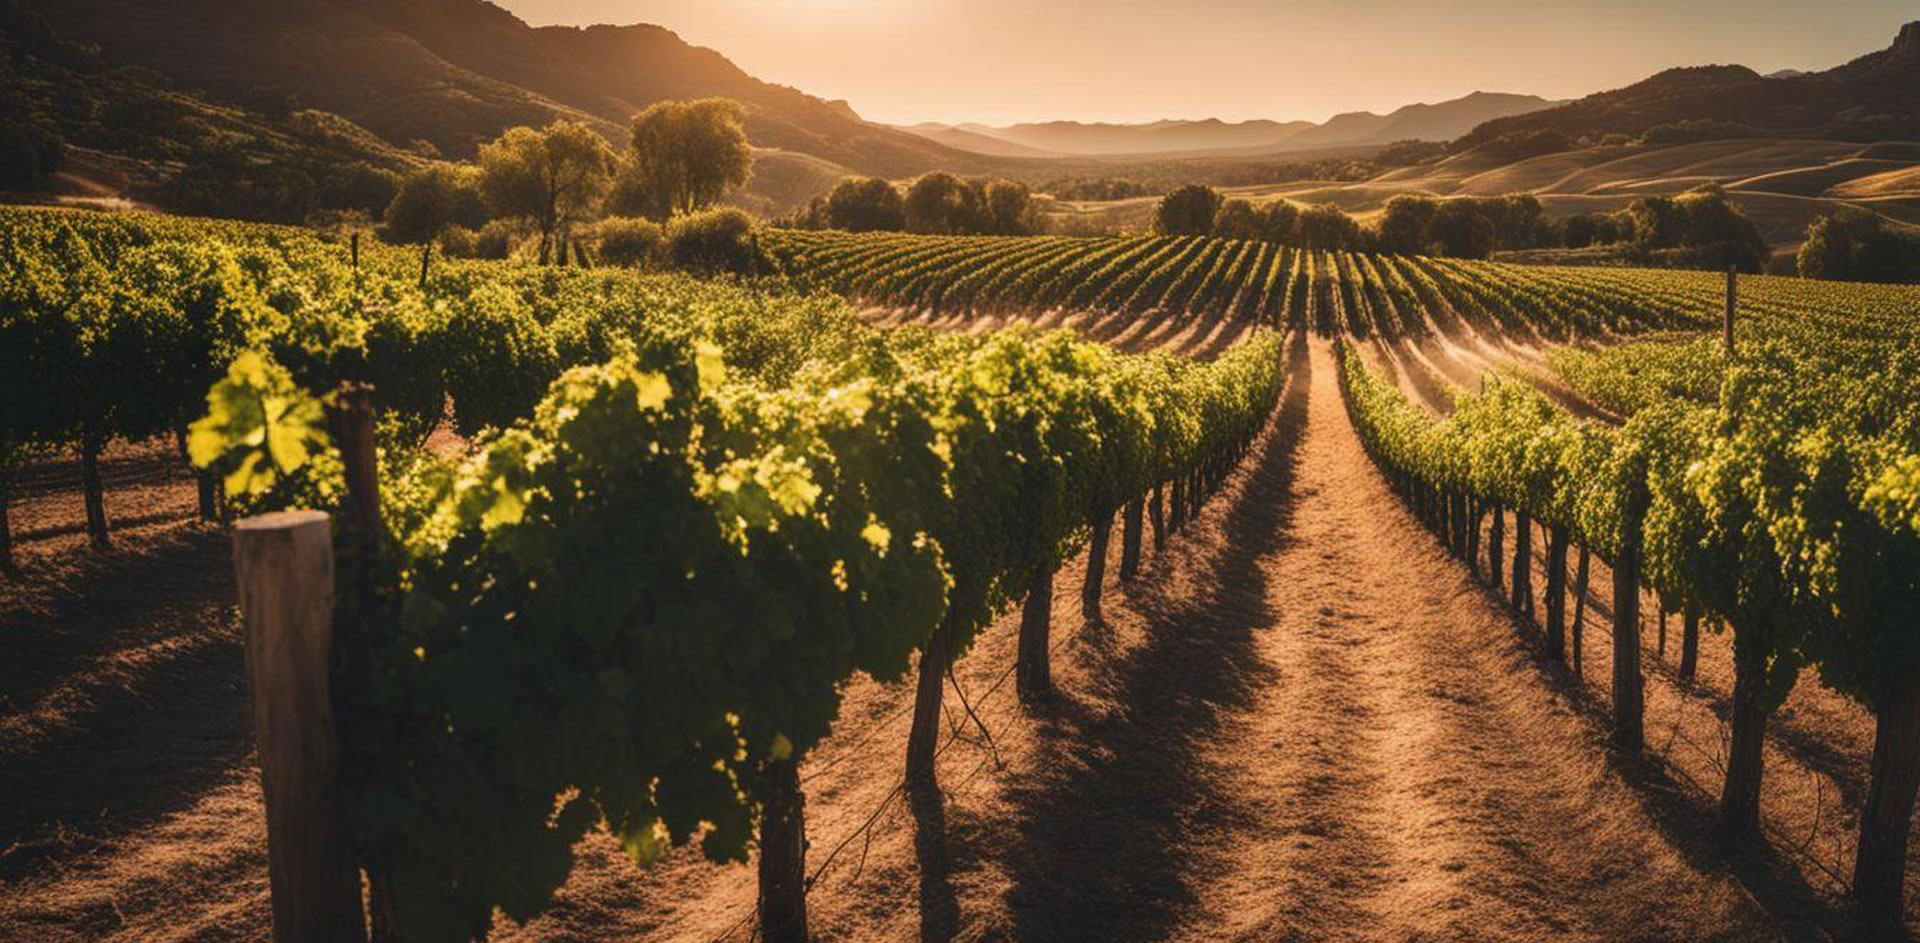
x: 350, y: 423
x: 284, y: 563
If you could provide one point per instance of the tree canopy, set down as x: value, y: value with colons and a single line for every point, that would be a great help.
x: 1187, y: 211
x: 1859, y: 247
x: 431, y: 199
x: 684, y: 156
x: 865, y: 204
x: 554, y: 176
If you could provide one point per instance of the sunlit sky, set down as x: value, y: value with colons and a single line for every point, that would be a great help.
x: 1002, y: 61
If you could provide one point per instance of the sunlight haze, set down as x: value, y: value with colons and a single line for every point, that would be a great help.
x: 999, y: 61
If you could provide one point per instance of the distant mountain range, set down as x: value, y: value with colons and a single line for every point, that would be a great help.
x: 454, y: 73
x: 1212, y: 137
x: 1874, y: 97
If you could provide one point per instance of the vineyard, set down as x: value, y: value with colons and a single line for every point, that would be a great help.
x: 639, y: 560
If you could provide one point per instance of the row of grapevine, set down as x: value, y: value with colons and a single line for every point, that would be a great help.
x: 113, y: 326
x: 1347, y: 292
x: 1776, y: 497
x: 690, y: 514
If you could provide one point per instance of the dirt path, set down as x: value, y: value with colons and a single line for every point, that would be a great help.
x: 1407, y: 775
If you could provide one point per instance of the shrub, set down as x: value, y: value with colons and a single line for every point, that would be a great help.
x: 495, y: 240
x: 718, y: 241
x: 626, y: 241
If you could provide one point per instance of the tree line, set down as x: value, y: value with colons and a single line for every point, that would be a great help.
x: 1701, y: 228
x: 568, y: 196
x: 1856, y: 246
x: 938, y: 203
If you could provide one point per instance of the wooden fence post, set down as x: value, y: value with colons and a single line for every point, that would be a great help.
x: 284, y: 563
x: 1475, y: 510
x: 1879, y: 870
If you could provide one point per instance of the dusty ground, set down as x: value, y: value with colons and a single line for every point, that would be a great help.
x: 1303, y: 722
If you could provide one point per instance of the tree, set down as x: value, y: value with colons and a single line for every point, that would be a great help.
x: 1010, y: 210
x: 1857, y: 246
x: 684, y: 156
x: 1403, y: 224
x: 1519, y: 221
x: 1580, y: 231
x: 1326, y: 226
x: 865, y: 204
x: 1279, y: 222
x: 1657, y: 222
x: 1237, y: 219
x: 1460, y: 230
x: 1717, y: 232
x: 553, y: 176
x: 1187, y: 211
x: 431, y: 199
x: 1409, y: 153
x: 944, y: 204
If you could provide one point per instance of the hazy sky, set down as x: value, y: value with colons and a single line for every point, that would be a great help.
x: 998, y: 61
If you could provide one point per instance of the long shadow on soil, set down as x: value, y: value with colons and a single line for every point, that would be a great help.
x: 939, y: 907
x: 1795, y: 739
x: 138, y: 745
x: 1113, y: 819
x: 1686, y: 816
x: 54, y: 623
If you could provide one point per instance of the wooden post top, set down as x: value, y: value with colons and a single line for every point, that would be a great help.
x: 282, y: 520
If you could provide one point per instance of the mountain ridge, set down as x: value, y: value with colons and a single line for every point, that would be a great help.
x: 457, y: 72
x: 1436, y: 121
x: 1875, y: 96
